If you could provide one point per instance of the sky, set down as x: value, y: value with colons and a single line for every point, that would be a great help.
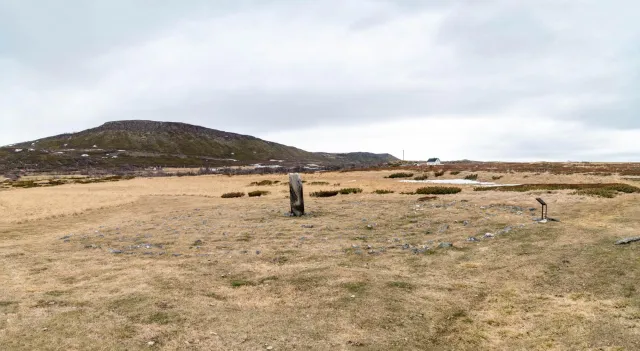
x: 525, y: 80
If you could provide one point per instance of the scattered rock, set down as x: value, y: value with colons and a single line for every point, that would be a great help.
x: 489, y: 235
x: 115, y: 251
x: 445, y: 245
x: 65, y: 237
x: 307, y: 226
x: 443, y: 228
x: 626, y: 241
x: 151, y: 343
x: 258, y: 252
x: 473, y: 239
x: 465, y: 223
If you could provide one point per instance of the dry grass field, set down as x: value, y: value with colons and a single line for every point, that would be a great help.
x: 167, y: 264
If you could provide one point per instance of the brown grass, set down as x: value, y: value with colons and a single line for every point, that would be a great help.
x: 199, y: 272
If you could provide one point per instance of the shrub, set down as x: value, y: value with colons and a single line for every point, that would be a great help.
x: 25, y: 184
x: 400, y: 175
x: 407, y: 193
x: 258, y: 193
x: 232, y: 195
x: 454, y: 172
x: 427, y: 198
x: 471, y: 177
x: 346, y: 191
x: 319, y: 183
x: 383, y: 191
x: 324, y: 193
x: 496, y: 177
x: 438, y: 190
x: 439, y: 173
x: 422, y: 177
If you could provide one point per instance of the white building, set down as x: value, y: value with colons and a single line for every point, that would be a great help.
x: 433, y: 162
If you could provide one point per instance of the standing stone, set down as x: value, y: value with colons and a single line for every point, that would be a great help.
x: 296, y: 196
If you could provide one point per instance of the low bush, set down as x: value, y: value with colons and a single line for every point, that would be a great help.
x: 347, y: 191
x: 407, y: 193
x: 438, y: 173
x: 496, y: 177
x: 427, y: 198
x: 232, y: 195
x: 471, y: 177
x: 422, y: 177
x: 383, y: 191
x: 25, y: 184
x: 438, y: 190
x: 454, y: 172
x: 324, y: 193
x: 257, y: 193
x: 400, y: 175
x: 319, y: 183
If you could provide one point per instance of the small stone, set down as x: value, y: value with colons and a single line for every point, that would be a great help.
x: 628, y: 240
x: 465, y: 223
x: 45, y: 329
x: 489, y: 235
x: 269, y: 347
x: 353, y: 296
x: 65, y: 237
x: 258, y: 252
x: 443, y: 228
x: 473, y: 239
x: 307, y: 226
x: 445, y: 245
x: 151, y: 343
x: 115, y: 251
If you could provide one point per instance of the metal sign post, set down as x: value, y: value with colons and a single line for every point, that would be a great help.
x: 544, y: 208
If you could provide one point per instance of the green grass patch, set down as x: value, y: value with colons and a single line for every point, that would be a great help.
x: 355, y: 287
x: 237, y: 283
x: 438, y: 190
x: 346, y: 191
x: 232, y: 195
x: 401, y: 285
x: 324, y: 193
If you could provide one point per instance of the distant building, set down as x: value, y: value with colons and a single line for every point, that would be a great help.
x: 433, y: 162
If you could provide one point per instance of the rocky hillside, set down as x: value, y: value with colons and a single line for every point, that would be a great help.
x: 145, y: 143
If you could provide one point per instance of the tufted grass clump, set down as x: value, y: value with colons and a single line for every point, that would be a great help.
x: 438, y: 190
x: 383, y: 191
x: 232, y: 195
x: 324, y: 193
x: 400, y: 175
x: 258, y: 193
x: 346, y: 191
x: 454, y: 172
x: 471, y: 177
x: 265, y: 182
x: 422, y: 177
x: 318, y: 183
x: 438, y: 173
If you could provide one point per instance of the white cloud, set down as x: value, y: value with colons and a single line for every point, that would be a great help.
x: 254, y: 66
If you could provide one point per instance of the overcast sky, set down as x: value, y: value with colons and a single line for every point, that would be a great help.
x: 477, y: 79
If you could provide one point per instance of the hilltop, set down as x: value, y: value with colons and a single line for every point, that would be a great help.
x: 137, y: 143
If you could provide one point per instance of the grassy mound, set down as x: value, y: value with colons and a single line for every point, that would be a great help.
x: 346, y: 191
x: 324, y: 193
x: 257, y: 193
x: 438, y: 190
x: 400, y: 175
x: 232, y: 195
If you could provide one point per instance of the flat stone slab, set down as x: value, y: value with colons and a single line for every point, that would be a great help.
x: 628, y: 240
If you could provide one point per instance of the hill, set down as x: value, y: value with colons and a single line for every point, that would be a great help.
x: 138, y: 143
